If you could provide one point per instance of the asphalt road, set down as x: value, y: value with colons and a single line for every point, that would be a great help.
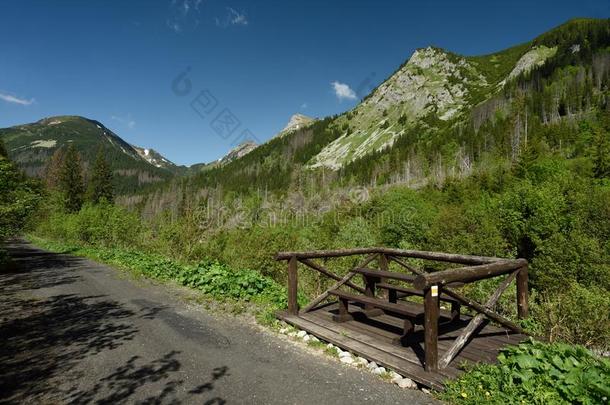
x: 75, y: 331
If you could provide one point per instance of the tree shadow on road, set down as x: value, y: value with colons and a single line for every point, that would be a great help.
x: 48, y: 345
x: 43, y: 339
x: 32, y: 269
x: 159, y: 376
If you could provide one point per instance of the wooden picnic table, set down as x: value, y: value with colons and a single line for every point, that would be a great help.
x: 434, y: 288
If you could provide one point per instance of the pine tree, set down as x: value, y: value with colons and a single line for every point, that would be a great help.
x: 52, y: 171
x: 100, y: 184
x: 601, y: 153
x: 3, y: 152
x: 71, y: 180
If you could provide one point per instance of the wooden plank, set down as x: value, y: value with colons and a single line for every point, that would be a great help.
x: 418, y: 254
x: 382, y: 358
x: 385, y: 274
x: 369, y: 291
x: 383, y: 262
x: 474, y: 323
x: 467, y: 274
x: 374, y: 331
x: 293, y: 306
x: 522, y: 301
x: 407, y: 308
x: 480, y: 349
x: 354, y: 330
x: 431, y: 329
x: 379, y: 336
x: 413, y: 291
x: 487, y: 312
x: 326, y: 253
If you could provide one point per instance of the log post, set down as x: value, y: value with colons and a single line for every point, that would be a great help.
x: 293, y: 305
x: 392, y: 296
x: 384, y: 266
x: 383, y: 262
x: 522, y: 294
x: 431, y: 313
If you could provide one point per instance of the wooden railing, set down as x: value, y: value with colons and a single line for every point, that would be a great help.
x: 431, y: 284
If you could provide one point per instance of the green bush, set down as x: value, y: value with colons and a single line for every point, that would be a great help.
x: 570, y: 257
x: 402, y: 216
x: 19, y: 197
x: 535, y: 373
x: 101, y: 225
x: 578, y: 315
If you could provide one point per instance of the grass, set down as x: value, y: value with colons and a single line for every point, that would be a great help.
x: 331, y: 351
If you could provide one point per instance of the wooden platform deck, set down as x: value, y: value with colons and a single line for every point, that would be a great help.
x: 373, y: 338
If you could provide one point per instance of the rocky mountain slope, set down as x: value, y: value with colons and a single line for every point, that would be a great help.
x: 239, y: 151
x: 296, y: 122
x: 439, y: 115
x: 432, y: 88
x: 154, y: 158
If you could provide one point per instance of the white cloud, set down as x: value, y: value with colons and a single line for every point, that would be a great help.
x: 233, y: 17
x: 179, y: 18
x: 237, y: 18
x: 127, y: 121
x: 16, y: 100
x: 174, y: 26
x: 304, y: 106
x: 184, y: 6
x: 343, y: 91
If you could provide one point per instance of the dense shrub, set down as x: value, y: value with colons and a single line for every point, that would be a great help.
x: 102, y: 224
x: 19, y: 197
x: 576, y: 315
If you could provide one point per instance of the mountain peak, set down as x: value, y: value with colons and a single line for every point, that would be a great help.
x: 297, y: 121
x: 237, y: 152
x: 153, y: 157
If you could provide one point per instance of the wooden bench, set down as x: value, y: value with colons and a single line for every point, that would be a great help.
x: 413, y: 313
x: 394, y: 290
x: 372, y: 277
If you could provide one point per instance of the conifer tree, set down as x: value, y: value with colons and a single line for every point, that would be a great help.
x: 601, y: 153
x: 53, y: 169
x: 3, y: 152
x: 71, y: 180
x: 100, y: 184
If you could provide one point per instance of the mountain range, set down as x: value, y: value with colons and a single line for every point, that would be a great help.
x: 438, y: 113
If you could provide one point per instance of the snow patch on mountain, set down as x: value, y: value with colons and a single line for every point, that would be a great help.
x: 43, y: 143
x: 153, y: 157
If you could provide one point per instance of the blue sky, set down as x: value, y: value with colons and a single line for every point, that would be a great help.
x: 256, y: 63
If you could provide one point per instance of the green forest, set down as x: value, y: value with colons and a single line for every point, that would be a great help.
x: 525, y: 174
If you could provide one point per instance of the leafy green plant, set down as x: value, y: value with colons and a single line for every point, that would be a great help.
x: 211, y: 277
x: 538, y: 373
